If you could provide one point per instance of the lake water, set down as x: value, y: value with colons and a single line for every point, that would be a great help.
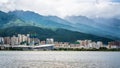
x: 59, y: 59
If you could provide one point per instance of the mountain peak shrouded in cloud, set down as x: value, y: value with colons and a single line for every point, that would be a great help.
x: 62, y: 8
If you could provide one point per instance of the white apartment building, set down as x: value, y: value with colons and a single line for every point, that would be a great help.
x: 49, y: 41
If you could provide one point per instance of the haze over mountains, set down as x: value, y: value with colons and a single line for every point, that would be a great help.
x: 107, y: 27
x: 103, y: 27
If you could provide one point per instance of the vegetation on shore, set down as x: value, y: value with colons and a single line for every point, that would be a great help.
x: 68, y: 49
x: 82, y: 49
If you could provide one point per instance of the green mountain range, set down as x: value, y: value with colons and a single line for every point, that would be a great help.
x: 24, y: 22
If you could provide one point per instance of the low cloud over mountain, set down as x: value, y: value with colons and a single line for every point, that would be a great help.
x: 62, y: 8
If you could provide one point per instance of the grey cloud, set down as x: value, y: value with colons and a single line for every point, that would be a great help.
x: 62, y: 8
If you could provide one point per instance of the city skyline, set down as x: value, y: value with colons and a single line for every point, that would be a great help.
x: 22, y: 40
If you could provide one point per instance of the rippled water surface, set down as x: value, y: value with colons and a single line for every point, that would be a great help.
x: 59, y: 59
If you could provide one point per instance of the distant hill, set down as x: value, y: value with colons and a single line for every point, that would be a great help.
x: 62, y: 35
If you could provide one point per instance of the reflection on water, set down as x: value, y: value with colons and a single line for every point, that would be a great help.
x: 59, y: 59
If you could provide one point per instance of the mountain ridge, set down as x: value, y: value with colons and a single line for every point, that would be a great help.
x: 77, y: 23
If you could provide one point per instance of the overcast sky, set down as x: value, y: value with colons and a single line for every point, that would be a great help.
x: 62, y: 8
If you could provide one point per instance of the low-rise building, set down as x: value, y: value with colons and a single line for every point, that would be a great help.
x: 114, y: 44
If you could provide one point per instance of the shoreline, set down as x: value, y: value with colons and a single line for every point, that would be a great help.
x: 54, y: 51
x: 63, y: 49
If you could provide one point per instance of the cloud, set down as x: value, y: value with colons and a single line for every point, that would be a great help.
x: 62, y: 8
x: 115, y: 0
